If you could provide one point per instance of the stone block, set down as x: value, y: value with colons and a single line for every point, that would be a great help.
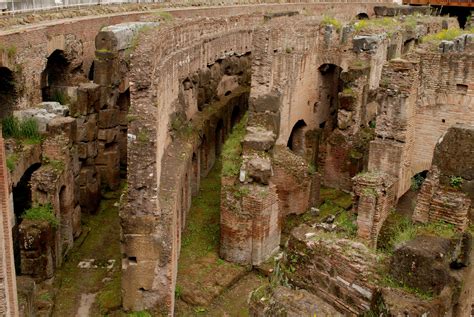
x: 66, y: 125
x: 108, y: 135
x: 366, y: 43
x: 87, y: 97
x: 109, y: 118
x: 269, y: 102
x: 258, y: 138
x: 423, y: 263
x: 259, y: 169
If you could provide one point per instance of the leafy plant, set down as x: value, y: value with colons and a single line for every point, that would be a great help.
x: 416, y: 182
x: 456, y: 182
x: 42, y: 212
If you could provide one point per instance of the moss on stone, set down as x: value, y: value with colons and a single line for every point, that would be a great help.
x: 232, y: 149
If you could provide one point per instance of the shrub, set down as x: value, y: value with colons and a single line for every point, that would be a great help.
x: 41, y: 212
x: 445, y: 35
x: 456, y: 182
x: 327, y: 20
x: 11, y: 127
x: 416, y: 182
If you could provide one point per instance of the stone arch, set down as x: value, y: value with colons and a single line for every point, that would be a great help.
x: 296, y: 141
x: 362, y: 16
x: 8, y: 92
x: 54, y: 75
x: 22, y: 200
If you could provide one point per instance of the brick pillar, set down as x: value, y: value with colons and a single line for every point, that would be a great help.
x: 8, y: 295
x: 375, y: 195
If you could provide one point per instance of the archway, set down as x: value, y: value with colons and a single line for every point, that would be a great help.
x: 55, y: 75
x: 362, y: 16
x: 22, y: 200
x: 8, y: 93
x: 296, y: 141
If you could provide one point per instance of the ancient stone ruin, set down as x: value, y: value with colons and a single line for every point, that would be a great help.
x: 237, y: 158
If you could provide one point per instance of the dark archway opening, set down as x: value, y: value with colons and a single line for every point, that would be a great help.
x: 235, y: 116
x: 296, y: 141
x: 55, y: 75
x: 204, y: 156
x: 329, y: 88
x: 90, y: 75
x: 362, y: 16
x: 219, y: 137
x: 461, y: 13
x: 22, y: 200
x: 8, y: 92
x: 195, y: 175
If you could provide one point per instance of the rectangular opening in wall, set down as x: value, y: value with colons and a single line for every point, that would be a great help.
x: 461, y: 88
x: 132, y: 260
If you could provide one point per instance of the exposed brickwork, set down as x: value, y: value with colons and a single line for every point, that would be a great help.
x: 375, y: 195
x: 8, y: 294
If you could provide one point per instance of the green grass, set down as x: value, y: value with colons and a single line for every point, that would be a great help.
x: 399, y: 229
x: 26, y: 129
x: 11, y: 162
x: 202, y: 232
x: 232, y: 149
x: 388, y: 281
x: 43, y: 213
x: 387, y: 24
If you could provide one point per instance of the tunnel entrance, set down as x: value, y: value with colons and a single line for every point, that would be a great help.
x: 55, y: 75
x: 22, y: 201
x: 296, y: 141
x: 329, y: 88
x: 8, y: 92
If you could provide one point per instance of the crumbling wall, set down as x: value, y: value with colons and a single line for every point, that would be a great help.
x: 412, y: 119
x: 447, y: 194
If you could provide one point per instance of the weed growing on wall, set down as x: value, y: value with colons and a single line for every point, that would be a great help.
x: 43, y: 213
x: 327, y: 20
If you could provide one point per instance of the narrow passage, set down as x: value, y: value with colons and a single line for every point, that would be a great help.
x: 206, y: 284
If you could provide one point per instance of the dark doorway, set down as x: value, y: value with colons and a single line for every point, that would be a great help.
x: 296, y: 141
x: 22, y: 200
x: 8, y: 93
x: 55, y: 75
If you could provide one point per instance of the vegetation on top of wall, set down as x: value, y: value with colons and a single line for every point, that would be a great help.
x: 446, y: 35
x: 399, y: 229
x: 385, y: 23
x: 54, y: 164
x: 164, y: 15
x: 232, y: 149
x: 327, y: 20
x: 43, y: 213
x: 26, y: 129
